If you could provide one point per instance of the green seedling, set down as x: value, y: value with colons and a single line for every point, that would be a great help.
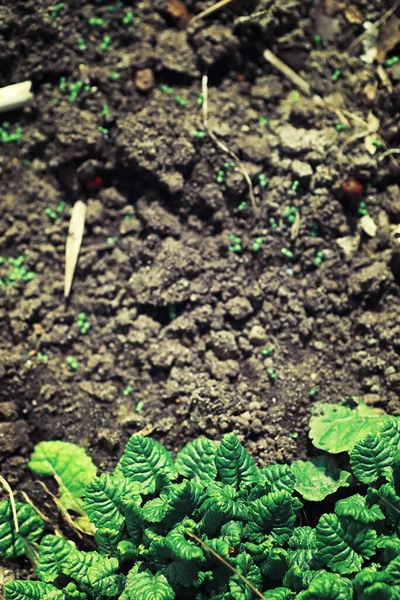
x: 127, y: 391
x: 319, y: 257
x: 128, y: 18
x: 290, y: 214
x: 378, y: 143
x: 340, y: 126
x: 105, y: 43
x: 199, y: 134
x: 103, y: 130
x: 127, y: 218
x: 115, y: 7
x: 95, y: 22
x: 273, y: 223
x: 105, y: 110
x: 200, y: 100
x: 51, y: 213
x: 268, y: 351
x: 181, y: 101
x: 42, y: 357
x: 287, y: 253
x: 114, y: 76
x: 72, y: 363
x: 296, y: 97
x: 7, y: 136
x: 80, y: 42
x: 166, y: 89
x: 263, y: 121
x: 294, y: 435
x: 236, y: 243
x: 393, y: 60
x: 242, y: 206
x: 139, y: 406
x: 83, y: 323
x: 221, y: 176
x: 317, y: 42
x: 18, y: 271
x: 61, y: 206
x: 262, y: 180
x: 295, y: 185
x: 335, y: 75
x: 314, y: 391
x: 258, y: 242
x: 229, y: 164
x: 271, y: 374
x: 172, y: 312
x: 57, y: 8
x: 112, y: 240
x: 362, y: 209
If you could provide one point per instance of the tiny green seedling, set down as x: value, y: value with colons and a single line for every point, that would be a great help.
x: 393, y: 60
x: 287, y: 253
x: 56, y: 9
x: 105, y: 43
x: 290, y: 214
x: 268, y: 351
x: 7, y: 136
x: 81, y: 43
x: 258, y: 242
x: 72, y: 363
x: 242, y: 206
x: 263, y: 121
x: 362, y: 209
x: 83, y: 323
x: 319, y: 257
x: 200, y: 99
x: 114, y: 76
x: 139, y: 406
x: 51, y: 213
x: 314, y: 391
x: 236, y: 243
x: 340, y: 126
x: 112, y: 240
x: 128, y: 18
x: 271, y: 374
x: 262, y: 180
x: 127, y: 390
x: 166, y: 89
x: 43, y: 357
x: 18, y: 271
x: 95, y: 22
x: 199, y: 134
x: 335, y: 75
x: 273, y: 223
x: 295, y: 185
x: 181, y: 101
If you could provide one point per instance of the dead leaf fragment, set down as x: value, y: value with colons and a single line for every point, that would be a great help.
x: 369, y: 92
x: 73, y: 245
x: 388, y: 37
x: 349, y: 244
x: 353, y: 15
x: 370, y: 139
x: 368, y: 225
x: 144, y: 80
x: 179, y: 13
x: 334, y: 6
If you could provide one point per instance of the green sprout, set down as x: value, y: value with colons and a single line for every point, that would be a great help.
x: 200, y: 100
x: 257, y: 244
x: 199, y: 134
x: 172, y: 312
x: 18, y: 271
x: 335, y: 75
x: 340, y: 126
x: 43, y: 357
x: 105, y: 110
x: 262, y: 180
x: 236, y: 243
x: 116, y: 7
x: 114, y: 76
x: 49, y: 212
x: 319, y: 257
x: 393, y: 60
x: 229, y: 165
x: 290, y: 214
x: 362, y: 209
x: 273, y: 223
x: 103, y: 130
x: 317, y: 42
x: 287, y: 253
x: 56, y: 10
x: 95, y: 21
x: 112, y: 240
x: 221, y: 176
x: 61, y: 206
x: 314, y: 391
x: 296, y: 97
x: 181, y: 101
x: 80, y: 42
x: 271, y: 374
x: 263, y: 121
x: 6, y: 136
x: 242, y: 206
x: 72, y: 363
x: 127, y: 390
x: 83, y: 323
x: 268, y: 351
x: 295, y: 185
x: 128, y: 18
x: 139, y: 406
x: 105, y: 44
x: 166, y: 89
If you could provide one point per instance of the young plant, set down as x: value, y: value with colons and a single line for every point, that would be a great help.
x: 212, y: 526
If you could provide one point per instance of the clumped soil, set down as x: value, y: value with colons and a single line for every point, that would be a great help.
x: 177, y: 312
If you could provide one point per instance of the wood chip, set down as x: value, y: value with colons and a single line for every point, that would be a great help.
x: 349, y: 244
x: 353, y: 15
x: 178, y: 11
x: 388, y: 38
x: 73, y: 245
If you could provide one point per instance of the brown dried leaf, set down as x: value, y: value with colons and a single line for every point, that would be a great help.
x: 369, y: 92
x: 388, y: 37
x: 179, y: 13
x: 334, y: 6
x: 144, y: 80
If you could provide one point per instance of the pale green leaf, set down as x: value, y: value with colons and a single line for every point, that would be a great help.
x: 69, y: 465
x: 303, y: 547
x: 146, y: 586
x: 337, y: 427
x: 143, y: 459
x: 53, y: 553
x: 197, y: 460
x: 31, y: 526
x: 234, y: 464
x: 319, y: 477
x: 103, y: 578
x: 102, y: 502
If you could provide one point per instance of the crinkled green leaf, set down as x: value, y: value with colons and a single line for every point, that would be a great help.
x: 372, y: 457
x: 328, y: 586
x: 143, y: 459
x: 53, y: 552
x: 182, y: 547
x: 303, y: 547
x: 388, y: 500
x: 232, y: 532
x: 197, y: 460
x: 69, y: 465
x: 107, y: 539
x: 279, y: 477
x: 278, y: 594
x: 103, y: 578
x: 146, y: 586
x: 371, y: 585
x: 274, y: 514
x: 180, y: 499
x: 154, y: 510
x: 77, y: 565
x: 356, y: 507
x: 31, y: 590
x: 31, y: 526
x: 389, y: 546
x: 71, y: 592
x: 244, y: 564
x: 102, y: 502
x: 343, y: 544
x: 135, y: 521
x: 337, y: 427
x: 393, y: 571
x: 234, y: 464
x: 390, y: 430
x: 319, y: 477
x: 378, y: 591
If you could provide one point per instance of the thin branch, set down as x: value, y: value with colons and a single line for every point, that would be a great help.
x: 210, y: 10
x: 377, y: 24
x: 225, y: 562
x: 298, y: 81
x: 9, y: 491
x: 222, y: 146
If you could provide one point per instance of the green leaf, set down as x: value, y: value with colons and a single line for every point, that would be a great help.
x: 102, y: 502
x: 371, y: 458
x: 53, y: 553
x: 31, y: 590
x: 180, y: 499
x: 69, y: 465
x: 183, y: 548
x: 343, y: 544
x: 107, y: 539
x: 146, y: 586
x: 279, y: 477
x: 390, y: 430
x: 154, y: 510
x: 319, y: 477
x: 388, y: 500
x: 328, y: 586
x: 393, y: 571
x: 232, y: 532
x: 197, y: 460
x: 356, y: 508
x: 135, y: 521
x: 31, y: 526
x: 337, y: 427
x: 77, y: 565
x: 303, y: 547
x: 103, y: 579
x: 71, y: 592
x: 390, y: 547
x: 278, y: 594
x: 371, y: 585
x: 234, y: 464
x: 244, y: 564
x: 143, y: 459
x: 274, y: 514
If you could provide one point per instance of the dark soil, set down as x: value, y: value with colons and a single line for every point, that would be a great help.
x: 174, y: 313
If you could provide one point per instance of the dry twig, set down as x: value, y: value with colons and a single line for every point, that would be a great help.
x: 222, y: 146
x: 377, y: 24
x: 73, y: 245
x: 209, y: 11
x: 9, y: 491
